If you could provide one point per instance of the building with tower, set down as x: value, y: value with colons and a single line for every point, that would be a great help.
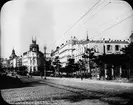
x: 32, y: 59
x: 12, y: 59
x: 75, y: 48
x: 13, y: 54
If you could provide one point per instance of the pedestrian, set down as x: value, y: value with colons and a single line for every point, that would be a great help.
x: 81, y: 77
x: 28, y: 75
x: 42, y: 75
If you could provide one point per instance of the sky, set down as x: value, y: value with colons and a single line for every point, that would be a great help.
x: 50, y: 20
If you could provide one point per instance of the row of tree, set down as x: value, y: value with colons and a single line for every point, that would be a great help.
x: 90, y: 61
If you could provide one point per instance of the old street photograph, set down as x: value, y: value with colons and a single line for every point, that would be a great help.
x: 66, y: 52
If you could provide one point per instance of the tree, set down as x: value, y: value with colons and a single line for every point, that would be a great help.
x: 57, y: 64
x: 49, y: 67
x: 41, y: 63
x: 128, y: 52
x: 124, y: 60
x: 70, y: 66
x: 89, y: 54
x: 22, y: 70
x: 81, y: 65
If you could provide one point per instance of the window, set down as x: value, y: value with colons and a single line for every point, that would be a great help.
x: 109, y: 47
x: 34, y: 68
x: 117, y: 47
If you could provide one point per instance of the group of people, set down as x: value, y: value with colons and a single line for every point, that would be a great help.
x: 29, y: 74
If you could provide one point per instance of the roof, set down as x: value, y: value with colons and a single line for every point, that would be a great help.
x: 25, y: 53
x: 131, y: 36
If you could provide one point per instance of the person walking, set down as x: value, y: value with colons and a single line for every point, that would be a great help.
x: 81, y: 69
x: 42, y: 73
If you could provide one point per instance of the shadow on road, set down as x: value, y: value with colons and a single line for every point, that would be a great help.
x: 8, y: 82
x: 77, y: 94
x: 81, y: 94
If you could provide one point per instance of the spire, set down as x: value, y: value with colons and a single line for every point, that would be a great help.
x: 13, y: 55
x: 13, y: 51
x: 33, y: 40
x: 131, y: 32
x: 87, y: 38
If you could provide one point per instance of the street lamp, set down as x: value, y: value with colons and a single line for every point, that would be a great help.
x: 45, y: 62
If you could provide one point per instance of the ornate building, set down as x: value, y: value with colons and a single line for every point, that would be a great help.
x: 33, y: 56
x: 13, y: 55
x: 75, y: 48
x: 32, y: 59
x: 12, y: 59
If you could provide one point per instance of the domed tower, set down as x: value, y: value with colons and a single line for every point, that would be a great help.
x: 34, y: 47
x: 13, y: 55
x: 87, y: 38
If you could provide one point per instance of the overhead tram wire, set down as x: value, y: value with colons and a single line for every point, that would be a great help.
x: 117, y: 17
x: 112, y: 26
x: 114, y: 18
x: 98, y: 11
x: 76, y: 22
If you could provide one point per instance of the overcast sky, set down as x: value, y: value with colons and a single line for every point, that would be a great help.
x: 48, y: 20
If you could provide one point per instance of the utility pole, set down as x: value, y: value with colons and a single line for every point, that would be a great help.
x: 45, y: 62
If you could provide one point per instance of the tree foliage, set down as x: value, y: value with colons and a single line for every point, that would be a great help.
x: 125, y: 59
x: 57, y: 64
x: 70, y: 67
x: 128, y: 52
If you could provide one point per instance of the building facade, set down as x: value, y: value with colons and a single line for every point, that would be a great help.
x: 12, y: 59
x: 75, y: 48
x: 65, y: 51
x: 31, y: 59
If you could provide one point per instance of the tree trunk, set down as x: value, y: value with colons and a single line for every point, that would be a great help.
x: 112, y: 72
x: 105, y: 71
x: 120, y: 71
x: 90, y: 68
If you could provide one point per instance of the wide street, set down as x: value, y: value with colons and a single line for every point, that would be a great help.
x: 68, y: 91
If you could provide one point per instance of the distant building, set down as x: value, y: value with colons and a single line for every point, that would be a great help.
x: 5, y: 63
x: 19, y: 61
x: 12, y: 59
x: 25, y: 59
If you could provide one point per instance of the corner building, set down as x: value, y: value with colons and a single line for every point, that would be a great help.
x: 75, y: 48
x: 31, y: 59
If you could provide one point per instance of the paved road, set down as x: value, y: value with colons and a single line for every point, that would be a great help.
x: 69, y: 91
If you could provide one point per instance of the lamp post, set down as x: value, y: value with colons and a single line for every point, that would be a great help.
x: 45, y: 62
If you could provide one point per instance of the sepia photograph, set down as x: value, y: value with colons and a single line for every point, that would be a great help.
x: 66, y: 52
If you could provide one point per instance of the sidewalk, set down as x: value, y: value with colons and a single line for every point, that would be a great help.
x: 10, y: 82
x: 109, y: 82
